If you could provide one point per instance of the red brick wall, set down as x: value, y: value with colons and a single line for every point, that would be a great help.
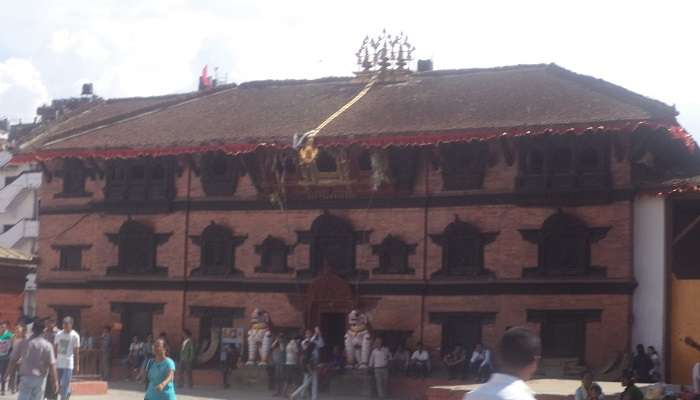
x: 10, y: 304
x: 506, y: 257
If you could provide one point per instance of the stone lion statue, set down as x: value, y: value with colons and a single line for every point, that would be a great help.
x: 259, y: 337
x: 357, y: 340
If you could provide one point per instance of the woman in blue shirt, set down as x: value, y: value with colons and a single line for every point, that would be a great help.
x: 160, y: 375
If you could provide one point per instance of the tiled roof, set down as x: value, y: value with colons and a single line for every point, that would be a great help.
x: 100, y: 113
x: 14, y: 256
x: 434, y: 102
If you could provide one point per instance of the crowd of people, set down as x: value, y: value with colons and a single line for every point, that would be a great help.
x: 42, y: 365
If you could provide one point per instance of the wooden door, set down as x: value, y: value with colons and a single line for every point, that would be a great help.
x: 563, y: 337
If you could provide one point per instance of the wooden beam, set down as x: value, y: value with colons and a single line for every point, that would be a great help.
x: 686, y: 230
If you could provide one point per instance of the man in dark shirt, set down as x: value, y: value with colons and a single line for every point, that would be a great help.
x: 631, y: 391
x: 642, y: 365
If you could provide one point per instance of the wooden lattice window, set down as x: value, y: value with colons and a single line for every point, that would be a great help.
x: 393, y: 255
x: 138, y: 245
x: 325, y: 162
x: 462, y: 249
x: 74, y: 174
x: 463, y: 165
x: 141, y: 179
x: 564, y: 163
x: 564, y: 244
x: 220, y: 173
x: 273, y: 256
x: 217, y: 244
x: 332, y: 244
x: 70, y: 257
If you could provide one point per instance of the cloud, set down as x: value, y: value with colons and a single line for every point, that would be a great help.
x: 21, y: 89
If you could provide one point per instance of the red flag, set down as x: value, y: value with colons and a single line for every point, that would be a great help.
x: 204, y: 81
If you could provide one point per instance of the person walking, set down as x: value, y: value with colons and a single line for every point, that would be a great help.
x: 291, y: 365
x: 13, y: 375
x: 631, y: 392
x: 186, y: 360
x: 655, y: 372
x: 5, y: 348
x: 37, y: 362
x: 278, y: 355
x: 160, y: 374
x: 106, y: 353
x: 642, y: 365
x: 67, y: 343
x: 519, y: 351
x: 379, y: 362
x: 229, y: 362
x: 309, y: 364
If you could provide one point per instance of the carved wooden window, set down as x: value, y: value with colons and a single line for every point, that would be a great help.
x: 70, y: 257
x: 588, y: 160
x: 273, y: 256
x: 138, y: 245
x: 142, y: 179
x: 462, y: 249
x: 325, y: 162
x: 217, y: 244
x: 564, y: 163
x: 74, y: 174
x: 463, y: 165
x: 534, y: 162
x: 332, y: 246
x: 364, y: 161
x: 564, y: 244
x: 403, y: 163
x: 220, y: 173
x: 393, y: 255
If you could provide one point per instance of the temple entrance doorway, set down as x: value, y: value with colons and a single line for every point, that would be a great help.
x: 333, y: 329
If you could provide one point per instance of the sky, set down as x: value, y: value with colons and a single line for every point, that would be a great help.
x: 49, y: 48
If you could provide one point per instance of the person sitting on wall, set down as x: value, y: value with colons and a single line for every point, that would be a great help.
x: 454, y: 361
x: 419, y: 364
x: 596, y: 392
x: 642, y: 365
x: 400, y: 358
x: 480, y: 363
x: 655, y: 372
x: 631, y: 391
x: 587, y: 390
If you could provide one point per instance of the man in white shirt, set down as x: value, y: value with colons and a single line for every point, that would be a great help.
x: 420, y: 361
x: 379, y: 362
x: 67, y: 343
x: 519, y: 351
x: 696, y: 377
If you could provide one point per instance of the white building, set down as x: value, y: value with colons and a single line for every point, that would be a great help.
x: 19, y: 205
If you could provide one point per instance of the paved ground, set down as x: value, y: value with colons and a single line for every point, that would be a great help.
x: 131, y: 391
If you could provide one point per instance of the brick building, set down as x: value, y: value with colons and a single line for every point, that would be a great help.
x: 448, y: 205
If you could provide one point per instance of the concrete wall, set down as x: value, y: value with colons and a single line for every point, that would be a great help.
x: 649, y: 304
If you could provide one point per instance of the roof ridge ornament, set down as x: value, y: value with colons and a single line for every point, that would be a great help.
x: 385, y: 51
